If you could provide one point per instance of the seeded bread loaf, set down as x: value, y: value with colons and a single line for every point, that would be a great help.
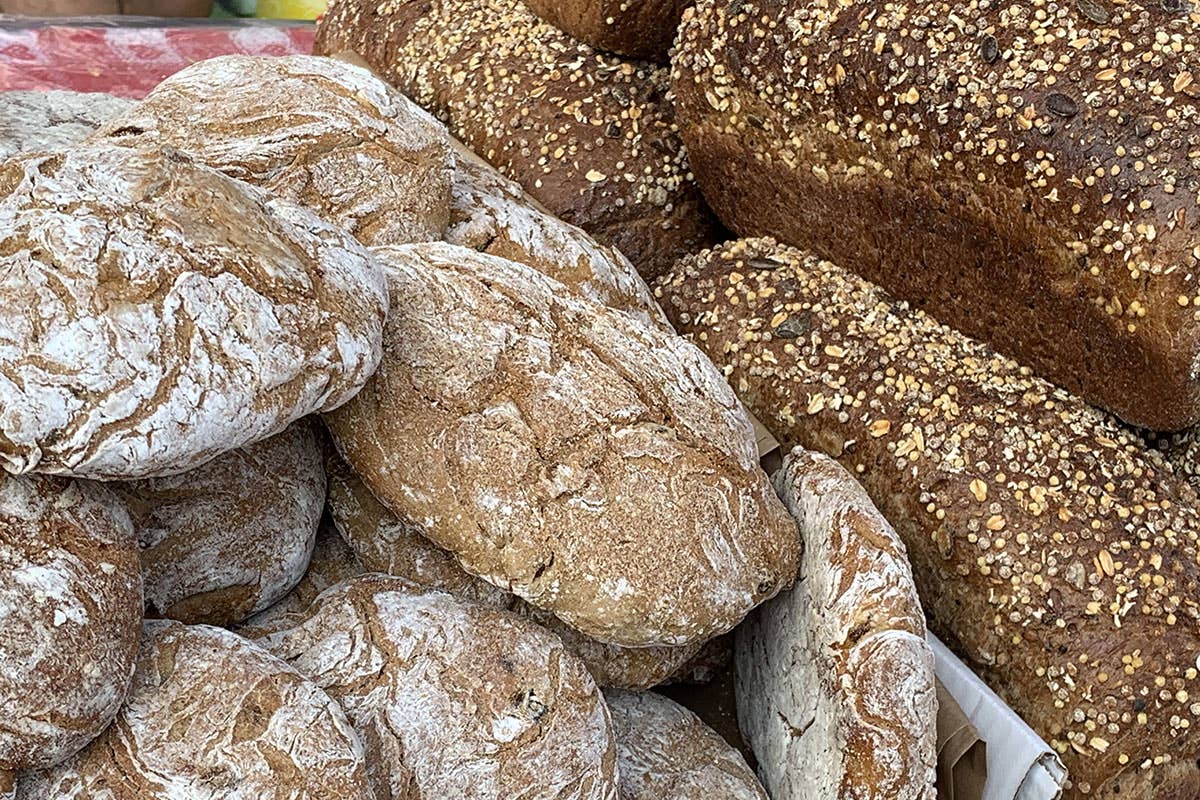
x: 212, y: 716
x: 70, y: 611
x: 590, y: 136
x: 155, y: 313
x: 599, y: 468
x: 228, y: 539
x: 1029, y: 173
x: 452, y: 698
x: 835, y: 686
x: 1052, y: 551
x: 634, y: 28
x: 40, y: 120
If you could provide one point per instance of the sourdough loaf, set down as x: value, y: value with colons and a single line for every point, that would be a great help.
x: 212, y: 716
x: 590, y: 136
x: 70, y: 611
x: 453, y: 698
x: 635, y: 28
x: 319, y: 132
x: 155, y: 313
x: 1053, y: 551
x: 40, y: 120
x: 228, y: 539
x: 599, y: 468
x: 1029, y: 173
x: 835, y: 685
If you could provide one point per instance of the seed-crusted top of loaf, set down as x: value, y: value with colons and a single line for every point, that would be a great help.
x: 636, y: 28
x: 41, y: 120
x: 1050, y: 546
x: 589, y: 135
x: 155, y: 313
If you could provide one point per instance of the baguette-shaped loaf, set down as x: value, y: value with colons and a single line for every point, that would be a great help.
x: 1051, y: 549
x: 41, y: 120
x: 1027, y: 172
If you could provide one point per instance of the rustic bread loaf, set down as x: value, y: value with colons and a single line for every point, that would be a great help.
x: 228, y: 539
x: 1051, y: 549
x: 1029, y: 173
x: 634, y: 28
x: 155, y: 313
x: 319, y: 132
x: 453, y: 698
x: 210, y: 716
x: 835, y: 686
x: 590, y: 136
x: 70, y: 611
x: 599, y: 468
x: 41, y: 120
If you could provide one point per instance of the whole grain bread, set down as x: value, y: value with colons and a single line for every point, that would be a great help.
x: 32, y: 120
x: 453, y: 698
x: 835, y: 684
x: 228, y: 539
x: 212, y: 716
x: 70, y: 612
x: 1052, y: 550
x: 634, y: 28
x: 590, y: 136
x: 155, y: 313
x: 1029, y: 173
x: 598, y: 468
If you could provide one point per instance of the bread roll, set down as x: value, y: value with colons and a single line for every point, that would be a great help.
x: 596, y: 467
x: 170, y: 315
x: 321, y: 133
x: 70, y: 611
x: 228, y: 539
x: 41, y: 120
x: 210, y: 716
x: 664, y: 752
x: 635, y: 28
x: 590, y: 136
x: 1028, y: 173
x: 835, y: 685
x: 1052, y: 551
x: 452, y: 698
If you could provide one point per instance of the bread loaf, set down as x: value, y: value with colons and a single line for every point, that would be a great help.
x: 1052, y: 550
x: 635, y: 28
x: 452, y: 698
x: 1029, y: 173
x: 319, y: 132
x: 228, y: 539
x: 835, y: 685
x: 210, y: 716
x: 155, y: 314
x: 41, y: 120
x: 590, y: 136
x: 596, y: 467
x: 70, y: 611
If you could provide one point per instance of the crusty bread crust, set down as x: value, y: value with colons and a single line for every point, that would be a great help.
x: 634, y: 28
x: 45, y: 120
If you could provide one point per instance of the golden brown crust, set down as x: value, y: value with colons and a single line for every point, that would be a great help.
x: 635, y: 28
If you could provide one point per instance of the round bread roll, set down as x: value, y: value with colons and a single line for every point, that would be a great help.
x: 70, y: 612
x: 600, y: 469
x: 42, y: 120
x: 228, y: 539
x: 319, y: 132
x: 635, y: 28
x: 665, y: 752
x: 590, y: 136
x: 212, y: 716
x: 170, y: 315
x: 453, y: 698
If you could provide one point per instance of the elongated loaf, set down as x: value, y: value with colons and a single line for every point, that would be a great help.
x: 1051, y: 549
x: 38, y: 120
x: 1028, y: 173
x: 635, y: 28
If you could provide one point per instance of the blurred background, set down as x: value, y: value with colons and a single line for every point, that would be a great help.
x: 271, y: 9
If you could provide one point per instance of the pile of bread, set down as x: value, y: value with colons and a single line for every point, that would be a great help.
x: 343, y: 463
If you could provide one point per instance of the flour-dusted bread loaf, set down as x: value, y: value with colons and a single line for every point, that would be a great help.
x: 1051, y: 549
x: 155, y: 313
x: 590, y: 136
x: 453, y: 698
x: 835, y: 686
x: 319, y: 132
x: 228, y: 539
x: 1027, y: 173
x: 634, y: 28
x: 212, y: 716
x: 41, y: 120
x: 597, y: 467
x: 70, y: 612
x: 665, y: 752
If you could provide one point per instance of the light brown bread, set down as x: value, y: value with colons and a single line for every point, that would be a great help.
x: 39, y: 120
x: 155, y: 313
x: 596, y: 467
x: 70, y: 611
x: 634, y: 28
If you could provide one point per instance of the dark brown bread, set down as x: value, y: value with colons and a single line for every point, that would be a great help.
x: 634, y: 28
x: 1051, y: 549
x: 1028, y: 172
x: 589, y: 136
